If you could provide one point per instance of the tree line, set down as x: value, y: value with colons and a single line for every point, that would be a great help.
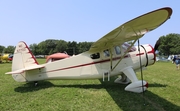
x: 8, y: 49
x: 169, y: 44
x: 51, y: 46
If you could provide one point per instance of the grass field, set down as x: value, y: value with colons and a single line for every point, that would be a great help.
x: 163, y: 93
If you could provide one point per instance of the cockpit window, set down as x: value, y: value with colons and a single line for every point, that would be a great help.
x: 95, y: 56
x: 106, y: 53
x: 118, y: 50
x: 125, y: 46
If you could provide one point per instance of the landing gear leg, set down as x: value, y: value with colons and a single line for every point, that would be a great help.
x: 137, y: 86
x: 35, y: 83
x: 122, y: 79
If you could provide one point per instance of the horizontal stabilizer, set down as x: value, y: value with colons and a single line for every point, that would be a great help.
x: 26, y: 69
x: 34, y: 67
x: 15, y: 72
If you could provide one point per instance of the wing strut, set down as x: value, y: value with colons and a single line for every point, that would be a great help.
x: 111, y: 59
x: 140, y: 66
x: 124, y: 55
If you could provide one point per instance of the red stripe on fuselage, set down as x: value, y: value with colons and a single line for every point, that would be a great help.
x: 102, y: 61
x: 139, y: 54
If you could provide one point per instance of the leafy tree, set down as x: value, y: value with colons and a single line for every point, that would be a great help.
x: 51, y: 45
x: 1, y: 48
x: 61, y: 46
x: 9, y: 49
x: 42, y: 50
x: 34, y: 49
x: 47, y: 47
x: 72, y: 48
x: 169, y: 44
x: 84, y: 46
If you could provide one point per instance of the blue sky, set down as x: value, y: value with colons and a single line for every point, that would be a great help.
x: 34, y: 21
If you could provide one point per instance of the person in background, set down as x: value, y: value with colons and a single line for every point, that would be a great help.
x: 172, y: 57
x: 177, y: 61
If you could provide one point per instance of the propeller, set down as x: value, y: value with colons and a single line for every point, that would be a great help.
x: 158, y: 42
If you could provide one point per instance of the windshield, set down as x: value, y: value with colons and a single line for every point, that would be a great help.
x: 126, y: 46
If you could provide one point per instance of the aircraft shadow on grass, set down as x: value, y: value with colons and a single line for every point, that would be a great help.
x: 156, y: 85
x: 122, y: 98
x: 148, y: 99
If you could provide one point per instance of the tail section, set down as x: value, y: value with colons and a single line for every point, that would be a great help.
x: 23, y: 61
x: 23, y: 57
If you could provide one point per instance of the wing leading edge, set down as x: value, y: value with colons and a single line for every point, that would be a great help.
x: 133, y: 29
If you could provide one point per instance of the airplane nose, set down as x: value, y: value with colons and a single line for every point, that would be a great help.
x: 150, y: 54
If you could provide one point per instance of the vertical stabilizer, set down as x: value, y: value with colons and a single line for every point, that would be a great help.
x: 23, y: 57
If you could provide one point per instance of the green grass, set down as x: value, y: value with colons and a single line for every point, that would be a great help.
x: 163, y: 93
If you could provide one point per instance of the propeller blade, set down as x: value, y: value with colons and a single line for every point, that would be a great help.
x: 158, y: 42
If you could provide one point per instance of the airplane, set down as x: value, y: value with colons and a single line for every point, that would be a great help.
x: 6, y: 57
x: 109, y: 56
x: 56, y: 56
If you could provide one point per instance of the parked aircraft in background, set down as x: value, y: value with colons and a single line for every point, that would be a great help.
x: 163, y: 59
x: 56, y: 56
x: 107, y: 57
x: 6, y: 57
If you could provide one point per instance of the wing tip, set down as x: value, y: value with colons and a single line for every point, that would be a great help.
x: 169, y: 11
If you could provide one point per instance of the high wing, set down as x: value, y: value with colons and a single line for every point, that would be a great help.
x: 133, y: 29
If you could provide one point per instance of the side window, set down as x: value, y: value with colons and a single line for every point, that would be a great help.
x: 118, y: 50
x: 106, y: 53
x: 95, y: 56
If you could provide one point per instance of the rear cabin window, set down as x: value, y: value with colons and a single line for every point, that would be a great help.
x: 106, y: 53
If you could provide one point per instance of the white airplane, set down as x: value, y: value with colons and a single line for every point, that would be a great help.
x: 109, y: 56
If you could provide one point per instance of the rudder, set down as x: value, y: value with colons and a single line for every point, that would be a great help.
x: 23, y: 57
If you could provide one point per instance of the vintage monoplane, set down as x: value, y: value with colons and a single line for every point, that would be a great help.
x: 112, y: 55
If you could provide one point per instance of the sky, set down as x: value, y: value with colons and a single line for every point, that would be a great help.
x: 34, y: 21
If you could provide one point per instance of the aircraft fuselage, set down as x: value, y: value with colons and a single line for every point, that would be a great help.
x: 82, y: 66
